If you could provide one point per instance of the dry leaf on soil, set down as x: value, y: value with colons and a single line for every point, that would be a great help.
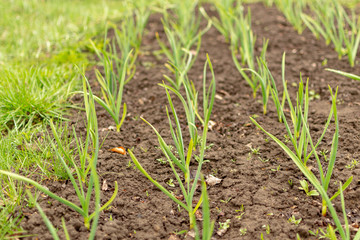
x: 211, y: 180
x: 120, y: 150
x: 104, y: 186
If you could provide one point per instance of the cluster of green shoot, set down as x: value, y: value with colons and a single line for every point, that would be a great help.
x: 292, y: 10
x: 305, y: 148
x: 181, y: 22
x: 182, y: 28
x: 118, y: 61
x: 235, y: 26
x: 333, y: 23
x: 184, y: 157
x: 327, y: 19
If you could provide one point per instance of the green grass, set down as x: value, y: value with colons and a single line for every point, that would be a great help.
x: 34, y: 95
x: 39, y: 44
x: 11, y: 199
x: 32, y: 28
x: 28, y: 151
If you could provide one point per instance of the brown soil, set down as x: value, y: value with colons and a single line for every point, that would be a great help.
x: 141, y: 211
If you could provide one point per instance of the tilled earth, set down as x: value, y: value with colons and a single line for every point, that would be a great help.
x: 141, y: 211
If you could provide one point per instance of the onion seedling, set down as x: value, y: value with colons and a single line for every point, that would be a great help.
x: 333, y: 23
x: 112, y: 83
x: 300, y: 154
x: 262, y: 75
x: 128, y: 39
x: 191, y: 102
x: 119, y: 70
x: 292, y: 10
x: 225, y: 23
x: 242, y: 39
x: 132, y: 27
x: 129, y: 35
x: 345, y: 74
x: 266, y: 81
x: 93, y: 185
x: 190, y: 111
x: 298, y: 137
x: 182, y: 29
x: 235, y: 26
x: 183, y: 159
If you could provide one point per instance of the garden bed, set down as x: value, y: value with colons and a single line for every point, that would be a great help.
x: 257, y: 181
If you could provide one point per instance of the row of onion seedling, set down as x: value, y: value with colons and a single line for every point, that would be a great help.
x: 327, y: 19
x: 304, y: 148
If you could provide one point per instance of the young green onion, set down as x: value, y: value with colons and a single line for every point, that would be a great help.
x: 242, y: 39
x: 182, y: 29
x: 191, y: 102
x: 333, y: 23
x: 225, y: 23
x: 235, y: 26
x: 183, y: 158
x: 301, y: 140
x: 133, y: 25
x: 262, y: 75
x: 292, y: 10
x: 112, y: 83
x: 345, y: 74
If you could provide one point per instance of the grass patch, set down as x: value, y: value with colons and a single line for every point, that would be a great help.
x: 34, y: 95
x: 32, y: 28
